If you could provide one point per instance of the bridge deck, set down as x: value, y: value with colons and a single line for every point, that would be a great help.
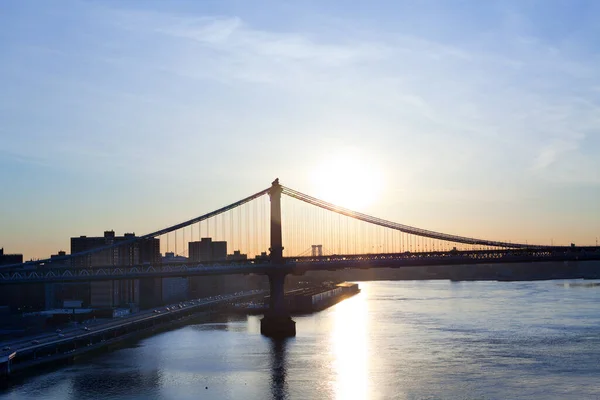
x: 298, y: 265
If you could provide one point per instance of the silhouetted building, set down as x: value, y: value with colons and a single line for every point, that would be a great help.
x: 118, y: 292
x: 150, y: 292
x: 61, y: 253
x: 171, y: 257
x: 174, y: 289
x: 219, y: 251
x: 207, y: 250
x: 57, y: 293
x: 19, y: 298
x: 23, y: 298
x: 237, y: 256
x: 7, y: 259
x: 138, y: 252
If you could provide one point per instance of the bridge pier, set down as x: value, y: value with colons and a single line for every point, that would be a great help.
x: 277, y: 322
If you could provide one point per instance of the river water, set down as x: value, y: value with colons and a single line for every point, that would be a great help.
x: 395, y: 340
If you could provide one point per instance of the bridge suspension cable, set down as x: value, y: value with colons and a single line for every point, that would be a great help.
x: 151, y: 235
x: 400, y: 227
x: 246, y: 228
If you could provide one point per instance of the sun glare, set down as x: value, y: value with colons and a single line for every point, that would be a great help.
x: 349, y: 338
x: 348, y: 179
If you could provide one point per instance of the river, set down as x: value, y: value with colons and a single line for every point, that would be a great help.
x: 395, y: 340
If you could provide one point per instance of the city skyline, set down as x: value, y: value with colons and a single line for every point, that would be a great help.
x: 480, y: 120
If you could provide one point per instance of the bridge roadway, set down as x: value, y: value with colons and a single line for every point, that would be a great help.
x: 297, y: 265
x: 54, y: 344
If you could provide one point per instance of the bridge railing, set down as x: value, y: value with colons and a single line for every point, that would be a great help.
x: 470, y: 254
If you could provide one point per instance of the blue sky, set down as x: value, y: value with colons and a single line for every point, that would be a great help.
x: 468, y: 117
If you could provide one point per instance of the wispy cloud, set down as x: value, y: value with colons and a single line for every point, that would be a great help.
x: 527, y: 99
x: 490, y: 110
x: 552, y: 152
x: 511, y: 93
x: 24, y: 158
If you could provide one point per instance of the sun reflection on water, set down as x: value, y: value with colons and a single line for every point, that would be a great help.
x: 349, y: 346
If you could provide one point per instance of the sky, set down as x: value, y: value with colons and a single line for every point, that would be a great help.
x: 466, y: 117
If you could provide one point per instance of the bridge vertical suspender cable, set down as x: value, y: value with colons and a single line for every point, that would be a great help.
x: 403, y: 228
x: 164, y: 231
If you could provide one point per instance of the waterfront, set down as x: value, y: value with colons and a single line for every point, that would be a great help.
x: 405, y: 340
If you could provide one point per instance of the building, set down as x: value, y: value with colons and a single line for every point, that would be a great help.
x: 174, y: 289
x: 117, y: 293
x: 57, y: 293
x: 207, y: 250
x: 150, y: 292
x: 23, y: 297
x: 61, y: 253
x: 138, y: 252
x: 20, y: 298
x: 7, y: 259
x: 237, y: 256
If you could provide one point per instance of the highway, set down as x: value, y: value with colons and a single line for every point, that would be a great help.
x: 92, y: 328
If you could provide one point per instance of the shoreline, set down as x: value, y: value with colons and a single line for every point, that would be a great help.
x: 28, y: 360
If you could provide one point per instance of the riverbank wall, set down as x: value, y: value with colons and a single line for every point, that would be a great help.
x: 109, y: 336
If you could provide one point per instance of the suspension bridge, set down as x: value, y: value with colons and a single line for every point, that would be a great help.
x: 317, y: 235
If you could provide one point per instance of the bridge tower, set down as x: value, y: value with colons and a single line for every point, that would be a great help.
x: 277, y: 322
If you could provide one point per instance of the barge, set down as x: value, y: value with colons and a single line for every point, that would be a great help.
x: 306, y: 300
x: 318, y: 299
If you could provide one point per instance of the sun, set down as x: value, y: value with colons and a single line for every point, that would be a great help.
x: 348, y: 179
